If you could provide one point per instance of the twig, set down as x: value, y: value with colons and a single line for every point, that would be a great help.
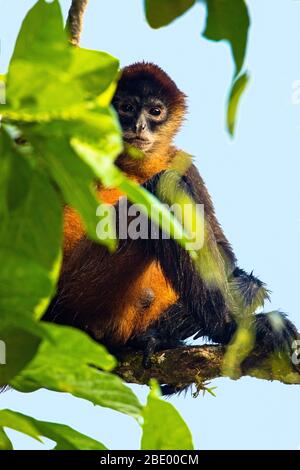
x: 199, y: 364
x: 75, y: 20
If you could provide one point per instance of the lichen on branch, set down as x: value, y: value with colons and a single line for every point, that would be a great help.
x: 199, y: 364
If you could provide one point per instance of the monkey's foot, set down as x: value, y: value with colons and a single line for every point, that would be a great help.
x: 150, y: 342
x: 275, y: 332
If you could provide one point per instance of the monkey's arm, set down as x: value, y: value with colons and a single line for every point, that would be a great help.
x: 196, y: 187
x: 207, y: 302
x: 210, y: 304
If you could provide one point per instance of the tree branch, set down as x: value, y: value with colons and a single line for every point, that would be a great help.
x: 75, y: 20
x: 199, y: 364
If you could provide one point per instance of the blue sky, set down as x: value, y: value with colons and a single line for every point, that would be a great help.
x: 254, y: 182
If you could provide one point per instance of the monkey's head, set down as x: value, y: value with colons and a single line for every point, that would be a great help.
x: 150, y: 107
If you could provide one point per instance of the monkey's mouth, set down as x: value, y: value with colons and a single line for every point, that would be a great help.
x: 142, y: 144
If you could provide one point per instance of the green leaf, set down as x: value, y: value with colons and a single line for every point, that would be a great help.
x: 20, y: 348
x: 40, y: 58
x: 73, y: 177
x: 237, y: 90
x: 30, y: 235
x: 5, y: 443
x: 18, y: 422
x: 162, y: 12
x: 98, y: 127
x: 229, y: 20
x: 94, y: 71
x: 69, y: 363
x: 21, y: 321
x: 33, y: 39
x: 33, y: 224
x: 51, y: 144
x: 46, y: 74
x: 82, y: 349
x: 164, y: 428
x: 25, y: 287
x: 65, y: 437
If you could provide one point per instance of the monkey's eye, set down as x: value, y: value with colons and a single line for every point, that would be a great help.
x: 126, y: 108
x: 156, y: 111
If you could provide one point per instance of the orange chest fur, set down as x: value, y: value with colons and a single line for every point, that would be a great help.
x: 73, y: 227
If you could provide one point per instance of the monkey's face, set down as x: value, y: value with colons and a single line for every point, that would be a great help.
x: 150, y: 107
x: 142, y: 118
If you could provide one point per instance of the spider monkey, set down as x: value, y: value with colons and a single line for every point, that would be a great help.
x: 148, y: 294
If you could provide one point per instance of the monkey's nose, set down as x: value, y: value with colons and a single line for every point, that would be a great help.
x: 140, y: 125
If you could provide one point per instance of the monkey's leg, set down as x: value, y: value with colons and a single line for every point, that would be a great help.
x: 177, y: 324
x: 208, y: 303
